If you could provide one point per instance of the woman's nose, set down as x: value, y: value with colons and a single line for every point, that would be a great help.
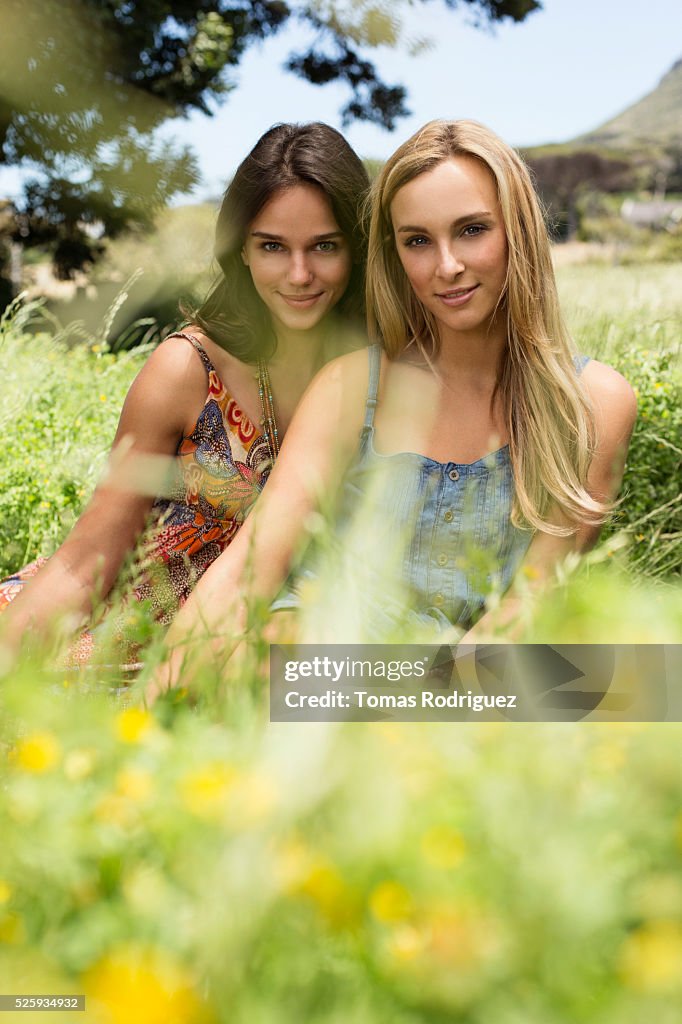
x: 300, y: 271
x: 449, y: 262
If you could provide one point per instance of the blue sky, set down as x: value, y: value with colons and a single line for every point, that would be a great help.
x: 561, y: 72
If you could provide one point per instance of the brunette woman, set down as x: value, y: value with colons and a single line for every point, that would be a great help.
x: 220, y: 393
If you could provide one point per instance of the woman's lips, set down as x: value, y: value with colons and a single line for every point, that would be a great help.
x: 456, y: 296
x: 301, y: 301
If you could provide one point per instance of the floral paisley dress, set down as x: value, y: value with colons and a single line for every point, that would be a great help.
x: 222, y: 465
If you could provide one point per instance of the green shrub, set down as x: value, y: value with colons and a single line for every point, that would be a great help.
x: 651, y: 507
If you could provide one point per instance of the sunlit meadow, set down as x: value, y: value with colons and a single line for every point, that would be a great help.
x: 196, y: 863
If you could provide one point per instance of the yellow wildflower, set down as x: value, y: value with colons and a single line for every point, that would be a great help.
x: 132, y: 725
x: 651, y: 957
x: 332, y: 896
x: 204, y: 790
x: 12, y: 930
x: 143, y: 986
x: 390, y: 901
x: 5, y: 891
x: 38, y: 753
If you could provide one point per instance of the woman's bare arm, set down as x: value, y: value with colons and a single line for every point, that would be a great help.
x: 321, y: 440
x: 165, y: 397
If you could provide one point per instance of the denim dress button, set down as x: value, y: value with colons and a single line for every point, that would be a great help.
x: 449, y: 516
x: 454, y: 474
x: 442, y: 559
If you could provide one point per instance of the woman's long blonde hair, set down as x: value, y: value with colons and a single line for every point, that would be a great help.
x: 548, y: 416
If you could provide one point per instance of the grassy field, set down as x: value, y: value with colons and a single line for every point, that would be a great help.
x: 197, y: 864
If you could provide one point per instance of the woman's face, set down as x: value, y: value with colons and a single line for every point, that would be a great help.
x: 300, y: 261
x: 451, y: 240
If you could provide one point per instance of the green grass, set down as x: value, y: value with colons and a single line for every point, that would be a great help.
x: 58, y: 413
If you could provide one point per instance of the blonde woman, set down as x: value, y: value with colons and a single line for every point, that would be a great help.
x: 493, y: 434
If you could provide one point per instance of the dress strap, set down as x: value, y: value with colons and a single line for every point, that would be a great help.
x: 580, y: 362
x: 374, y: 356
x: 201, y: 351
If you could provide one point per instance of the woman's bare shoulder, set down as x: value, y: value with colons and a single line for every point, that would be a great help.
x: 613, y: 398
x: 168, y: 392
x: 176, y: 359
x: 348, y: 371
x: 604, y: 383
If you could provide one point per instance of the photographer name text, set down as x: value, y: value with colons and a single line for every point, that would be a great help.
x: 390, y: 701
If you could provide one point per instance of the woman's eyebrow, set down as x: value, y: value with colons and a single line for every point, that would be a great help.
x: 271, y: 236
x: 460, y: 220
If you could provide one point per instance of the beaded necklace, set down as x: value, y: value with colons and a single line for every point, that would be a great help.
x: 269, y: 423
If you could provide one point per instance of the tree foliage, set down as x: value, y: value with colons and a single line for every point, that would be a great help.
x: 84, y: 84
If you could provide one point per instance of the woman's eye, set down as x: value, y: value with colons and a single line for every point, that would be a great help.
x: 416, y: 240
x: 327, y: 246
x: 271, y: 247
x: 473, y: 229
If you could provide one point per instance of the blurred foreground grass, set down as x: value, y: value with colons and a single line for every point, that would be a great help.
x: 220, y: 871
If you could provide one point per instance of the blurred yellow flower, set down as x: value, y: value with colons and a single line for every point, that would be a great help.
x: 651, y: 957
x: 443, y: 847
x: 12, y: 930
x: 204, y: 790
x: 132, y: 725
x: 142, y: 986
x: 5, y: 891
x: 134, y: 784
x: 389, y: 902
x: 38, y: 753
x: 79, y: 763
x: 330, y: 893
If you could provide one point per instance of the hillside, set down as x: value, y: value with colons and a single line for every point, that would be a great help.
x: 656, y: 118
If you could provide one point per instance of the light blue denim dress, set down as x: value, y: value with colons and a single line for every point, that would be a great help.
x: 445, y: 527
